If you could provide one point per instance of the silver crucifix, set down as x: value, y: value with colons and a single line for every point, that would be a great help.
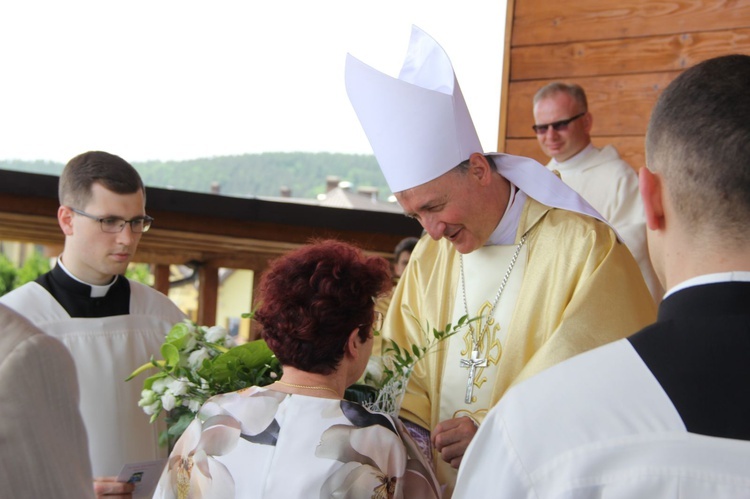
x: 472, y: 365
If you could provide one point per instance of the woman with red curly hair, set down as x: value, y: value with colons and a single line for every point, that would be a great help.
x: 298, y: 437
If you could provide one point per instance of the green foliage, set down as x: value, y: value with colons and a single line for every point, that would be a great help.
x: 34, y: 266
x: 140, y: 272
x: 247, y: 175
x: 404, y: 360
x: 252, y: 175
x: 249, y: 364
x: 7, y: 274
x: 12, y: 277
x: 393, y: 369
x: 197, y: 363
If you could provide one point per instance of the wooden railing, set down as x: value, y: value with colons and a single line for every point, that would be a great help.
x: 205, y: 230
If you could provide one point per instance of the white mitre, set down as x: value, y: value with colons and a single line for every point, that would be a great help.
x: 419, y: 126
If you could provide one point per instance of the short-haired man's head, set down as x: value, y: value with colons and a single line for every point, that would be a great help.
x: 83, y: 171
x: 314, y: 297
x: 698, y: 140
x: 573, y: 90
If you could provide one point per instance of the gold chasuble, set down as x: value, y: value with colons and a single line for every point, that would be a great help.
x: 574, y: 287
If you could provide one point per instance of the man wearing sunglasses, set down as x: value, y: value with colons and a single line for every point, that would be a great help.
x: 664, y: 412
x: 563, y: 129
x: 109, y: 323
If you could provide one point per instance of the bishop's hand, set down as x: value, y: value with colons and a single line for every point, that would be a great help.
x: 451, y: 438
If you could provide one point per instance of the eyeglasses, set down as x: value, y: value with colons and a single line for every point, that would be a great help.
x: 115, y: 224
x: 377, y: 323
x: 557, y: 125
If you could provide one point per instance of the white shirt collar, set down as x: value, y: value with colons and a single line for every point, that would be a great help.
x: 96, y: 290
x: 738, y: 275
x: 505, y: 232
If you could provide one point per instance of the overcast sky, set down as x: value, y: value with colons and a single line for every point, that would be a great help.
x: 183, y: 79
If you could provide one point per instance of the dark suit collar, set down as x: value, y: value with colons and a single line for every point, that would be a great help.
x: 699, y: 352
x: 721, y: 298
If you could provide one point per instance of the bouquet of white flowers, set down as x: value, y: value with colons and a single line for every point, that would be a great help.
x: 197, y: 363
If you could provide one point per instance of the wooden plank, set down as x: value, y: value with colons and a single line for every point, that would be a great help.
x: 620, y: 105
x: 161, y: 278
x: 208, y: 293
x: 651, y: 54
x: 631, y: 149
x: 502, y: 128
x: 538, y: 22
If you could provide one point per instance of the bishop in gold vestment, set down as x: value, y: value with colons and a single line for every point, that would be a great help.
x: 581, y: 288
x: 571, y: 283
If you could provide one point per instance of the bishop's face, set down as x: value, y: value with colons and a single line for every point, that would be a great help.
x: 455, y: 206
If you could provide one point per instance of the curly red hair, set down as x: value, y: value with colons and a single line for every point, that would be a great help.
x: 313, y: 298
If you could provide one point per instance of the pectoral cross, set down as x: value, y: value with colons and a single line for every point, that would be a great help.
x: 472, y: 364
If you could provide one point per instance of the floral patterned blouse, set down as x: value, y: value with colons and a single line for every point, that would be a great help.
x: 259, y: 443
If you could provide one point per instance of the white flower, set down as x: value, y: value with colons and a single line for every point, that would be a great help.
x: 168, y: 401
x: 178, y: 387
x: 373, y: 471
x: 216, y: 334
x: 191, y: 338
x: 192, y: 469
x: 160, y: 385
x: 151, y: 409
x: 148, y: 397
x: 195, y: 360
x: 194, y: 405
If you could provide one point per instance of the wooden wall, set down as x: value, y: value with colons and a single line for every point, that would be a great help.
x: 622, y: 52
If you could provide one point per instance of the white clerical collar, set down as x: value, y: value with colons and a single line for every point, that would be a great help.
x: 738, y: 275
x: 96, y: 290
x: 505, y: 232
x: 575, y: 160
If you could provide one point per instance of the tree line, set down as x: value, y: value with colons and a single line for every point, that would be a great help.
x: 247, y: 175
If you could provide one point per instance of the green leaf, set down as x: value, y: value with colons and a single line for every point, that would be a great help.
x: 248, y: 361
x: 145, y: 367
x: 415, y: 350
x: 179, y: 427
x: 149, y: 382
x: 395, y: 348
x: 179, y: 335
x: 171, y: 354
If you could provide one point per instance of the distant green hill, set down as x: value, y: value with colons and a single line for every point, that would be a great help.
x: 248, y: 175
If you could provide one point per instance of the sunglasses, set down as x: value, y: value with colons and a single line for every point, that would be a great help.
x: 557, y: 125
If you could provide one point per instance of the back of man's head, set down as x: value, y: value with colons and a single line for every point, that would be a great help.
x: 698, y: 140
x: 81, y: 172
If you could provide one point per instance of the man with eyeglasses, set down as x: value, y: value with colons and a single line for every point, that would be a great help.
x: 563, y: 129
x: 109, y: 323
